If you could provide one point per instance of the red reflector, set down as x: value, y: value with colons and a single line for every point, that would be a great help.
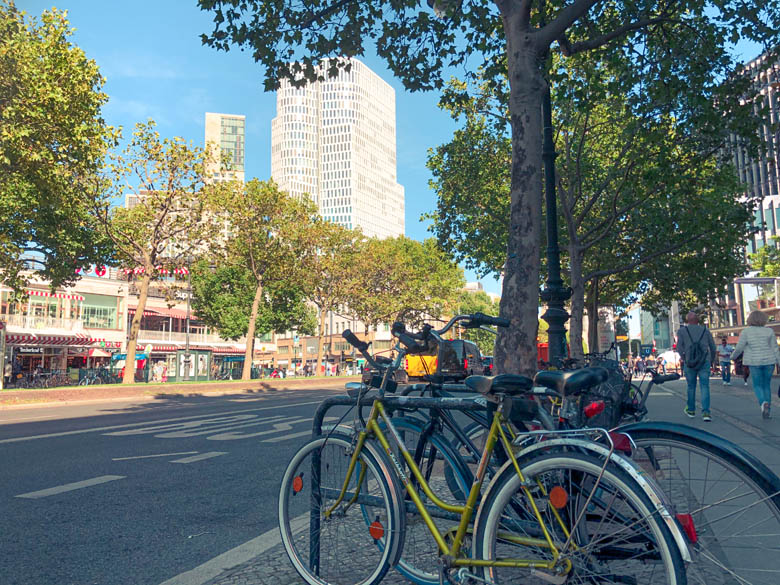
x: 297, y: 484
x: 406, y: 363
x: 622, y: 442
x: 376, y: 530
x: 686, y: 521
x: 594, y: 408
x: 465, y: 364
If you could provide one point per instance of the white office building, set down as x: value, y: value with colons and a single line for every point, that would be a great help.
x: 334, y: 141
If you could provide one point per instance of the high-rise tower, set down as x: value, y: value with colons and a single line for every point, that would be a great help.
x: 335, y: 141
x: 226, y: 132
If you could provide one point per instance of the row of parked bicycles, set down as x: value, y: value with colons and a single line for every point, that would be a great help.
x: 556, y: 479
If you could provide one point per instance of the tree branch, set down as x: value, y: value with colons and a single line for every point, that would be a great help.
x: 572, y: 49
x: 561, y: 23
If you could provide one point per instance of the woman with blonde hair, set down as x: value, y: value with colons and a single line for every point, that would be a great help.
x: 759, y: 345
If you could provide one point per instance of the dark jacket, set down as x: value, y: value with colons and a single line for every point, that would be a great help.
x: 685, y: 342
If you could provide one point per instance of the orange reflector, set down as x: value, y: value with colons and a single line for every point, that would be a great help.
x: 297, y: 484
x: 686, y: 521
x: 376, y: 530
x: 558, y: 497
x: 594, y: 408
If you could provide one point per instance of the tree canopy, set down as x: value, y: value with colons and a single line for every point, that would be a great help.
x: 671, y: 58
x: 268, y: 238
x: 53, y: 140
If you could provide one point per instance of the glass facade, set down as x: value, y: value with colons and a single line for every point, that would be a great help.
x: 232, y: 141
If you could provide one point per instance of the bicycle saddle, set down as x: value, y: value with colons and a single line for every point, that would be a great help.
x: 510, y: 384
x: 572, y: 382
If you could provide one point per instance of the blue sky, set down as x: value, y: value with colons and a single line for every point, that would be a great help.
x: 155, y: 66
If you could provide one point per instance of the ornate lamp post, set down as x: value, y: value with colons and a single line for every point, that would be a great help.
x: 554, y: 293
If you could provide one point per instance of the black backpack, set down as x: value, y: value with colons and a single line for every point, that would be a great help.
x: 695, y: 356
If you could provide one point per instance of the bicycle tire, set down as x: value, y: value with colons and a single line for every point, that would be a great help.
x: 450, y: 480
x: 367, y: 564
x: 621, y: 539
x: 735, y: 504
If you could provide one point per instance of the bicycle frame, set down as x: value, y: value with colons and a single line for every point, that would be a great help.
x: 451, y: 552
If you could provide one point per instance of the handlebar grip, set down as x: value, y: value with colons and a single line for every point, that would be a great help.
x: 478, y: 319
x: 666, y: 378
x: 411, y: 345
x: 399, y: 328
x: 354, y: 341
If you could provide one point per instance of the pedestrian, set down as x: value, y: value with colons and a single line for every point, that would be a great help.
x: 757, y: 346
x: 724, y: 357
x: 662, y: 364
x: 697, y: 349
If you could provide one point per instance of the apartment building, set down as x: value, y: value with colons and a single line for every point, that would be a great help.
x: 226, y: 133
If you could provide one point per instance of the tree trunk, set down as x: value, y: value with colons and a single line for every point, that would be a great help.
x: 135, y: 327
x: 593, y: 316
x: 516, y: 344
x: 577, y: 303
x: 246, y: 373
x: 323, y: 315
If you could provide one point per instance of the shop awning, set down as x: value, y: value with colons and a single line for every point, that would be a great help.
x: 147, y: 311
x: 51, y: 340
x: 56, y: 295
x: 97, y: 352
x: 162, y: 312
x: 229, y: 350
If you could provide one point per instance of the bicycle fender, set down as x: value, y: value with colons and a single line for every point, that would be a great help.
x: 724, y: 447
x: 646, y: 483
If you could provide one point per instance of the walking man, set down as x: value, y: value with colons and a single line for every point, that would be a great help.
x: 724, y: 357
x: 697, y: 349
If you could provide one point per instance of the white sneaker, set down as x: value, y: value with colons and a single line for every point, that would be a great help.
x: 746, y: 384
x: 727, y: 383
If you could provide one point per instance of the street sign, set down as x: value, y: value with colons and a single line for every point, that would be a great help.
x: 621, y: 337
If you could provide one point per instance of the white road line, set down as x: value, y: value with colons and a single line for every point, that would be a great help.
x: 68, y: 487
x: 150, y: 456
x: 129, y: 426
x: 236, y: 556
x: 287, y: 437
x: 200, y: 457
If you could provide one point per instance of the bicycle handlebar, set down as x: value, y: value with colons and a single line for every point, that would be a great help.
x: 479, y: 319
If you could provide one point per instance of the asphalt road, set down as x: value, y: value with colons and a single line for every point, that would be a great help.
x: 138, y: 492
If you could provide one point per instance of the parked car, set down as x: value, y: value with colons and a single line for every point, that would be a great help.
x: 454, y: 359
x: 487, y: 364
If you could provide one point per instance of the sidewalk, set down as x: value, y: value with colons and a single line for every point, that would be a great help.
x: 736, y: 417
x: 141, y: 391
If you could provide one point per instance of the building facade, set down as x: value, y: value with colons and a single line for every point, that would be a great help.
x: 334, y: 141
x: 226, y: 133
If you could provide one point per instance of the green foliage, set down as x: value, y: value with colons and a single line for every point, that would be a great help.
x: 223, y: 295
x: 52, y: 144
x: 767, y: 259
x: 400, y: 279
x: 472, y: 302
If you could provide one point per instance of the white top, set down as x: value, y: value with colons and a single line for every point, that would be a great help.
x: 759, y: 346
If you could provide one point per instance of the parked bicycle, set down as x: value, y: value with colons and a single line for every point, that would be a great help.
x: 563, y: 508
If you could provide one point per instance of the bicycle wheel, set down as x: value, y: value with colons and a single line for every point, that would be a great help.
x: 616, y: 535
x: 734, y: 505
x: 450, y: 480
x: 342, y: 547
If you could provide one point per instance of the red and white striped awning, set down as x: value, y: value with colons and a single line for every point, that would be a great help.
x: 160, y: 269
x: 229, y: 350
x: 163, y: 348
x: 46, y: 293
x: 52, y: 340
x: 147, y: 311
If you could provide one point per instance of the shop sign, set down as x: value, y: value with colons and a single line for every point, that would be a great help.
x: 29, y: 350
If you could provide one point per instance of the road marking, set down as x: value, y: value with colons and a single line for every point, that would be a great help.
x: 200, y: 457
x: 132, y: 425
x: 236, y: 556
x: 287, y: 437
x: 69, y: 487
x: 150, y: 456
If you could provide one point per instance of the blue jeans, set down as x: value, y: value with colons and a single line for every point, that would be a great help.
x: 762, y: 378
x: 703, y: 374
x: 725, y: 371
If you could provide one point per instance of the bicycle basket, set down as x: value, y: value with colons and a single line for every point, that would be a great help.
x: 615, y: 391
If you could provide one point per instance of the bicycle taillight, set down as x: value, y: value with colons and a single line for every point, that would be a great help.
x: 688, y: 526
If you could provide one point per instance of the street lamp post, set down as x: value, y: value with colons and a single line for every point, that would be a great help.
x: 554, y: 293
x: 187, y: 356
